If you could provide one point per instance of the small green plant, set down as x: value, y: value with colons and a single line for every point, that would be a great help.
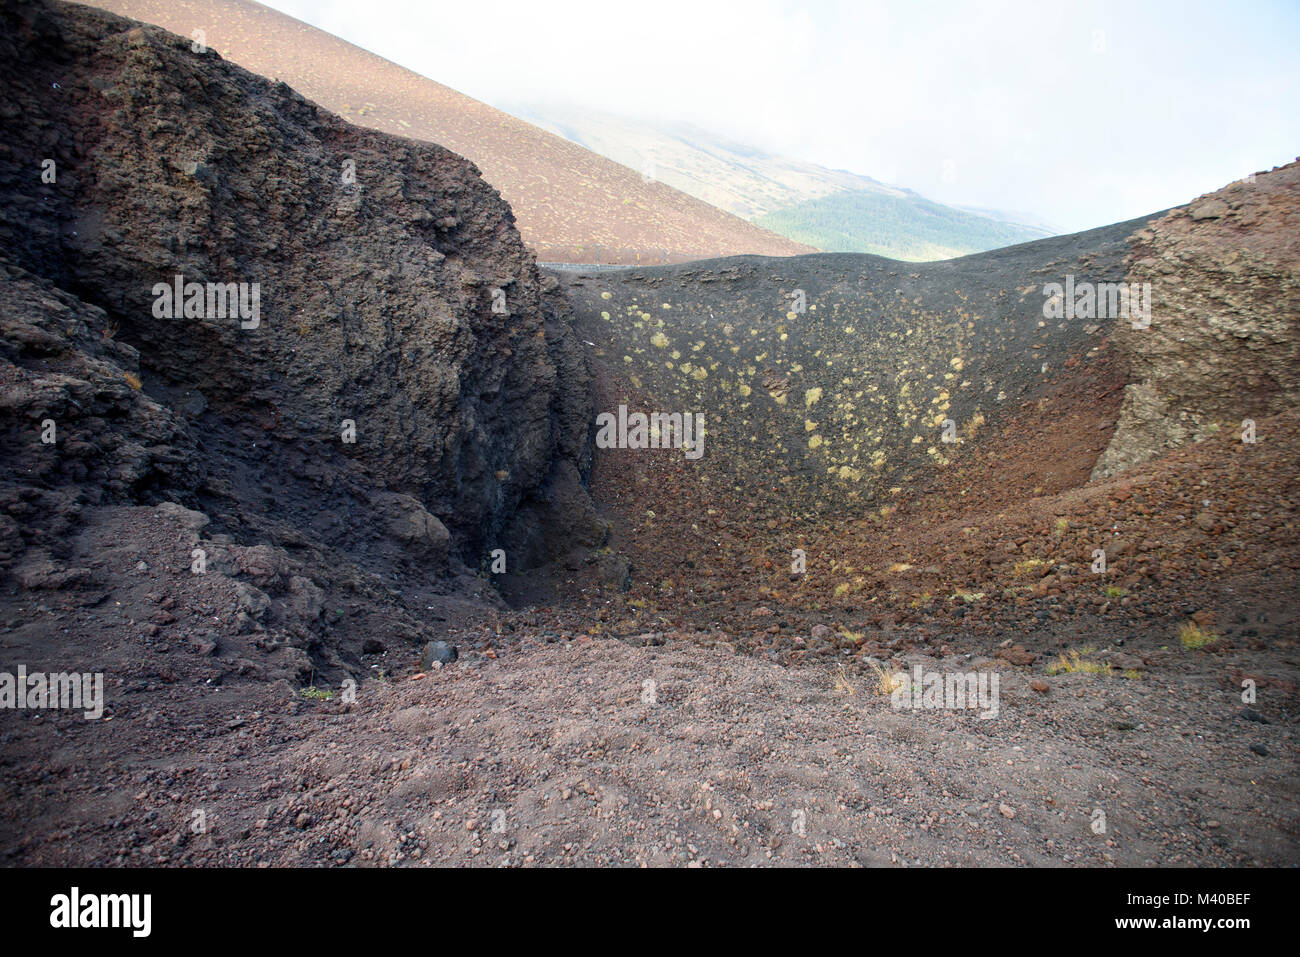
x: 316, y: 694
x: 1114, y: 591
x: 1193, y: 637
x: 1061, y: 526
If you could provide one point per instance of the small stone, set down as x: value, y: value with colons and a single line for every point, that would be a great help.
x: 1212, y: 209
x: 1260, y: 750
x: 1006, y: 810
x: 1039, y: 686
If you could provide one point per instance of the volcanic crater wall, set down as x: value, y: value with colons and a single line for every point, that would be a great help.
x: 825, y: 380
x: 396, y: 300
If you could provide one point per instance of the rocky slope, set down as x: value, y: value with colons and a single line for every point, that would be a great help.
x: 407, y: 386
x: 1223, y: 344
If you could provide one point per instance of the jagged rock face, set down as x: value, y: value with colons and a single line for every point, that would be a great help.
x: 75, y: 428
x: 1224, y: 339
x: 393, y: 301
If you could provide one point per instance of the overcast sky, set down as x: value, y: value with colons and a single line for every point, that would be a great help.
x: 1082, y: 113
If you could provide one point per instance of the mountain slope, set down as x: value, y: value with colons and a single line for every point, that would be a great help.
x: 732, y: 176
x: 833, y: 210
x: 908, y: 227
x: 570, y: 204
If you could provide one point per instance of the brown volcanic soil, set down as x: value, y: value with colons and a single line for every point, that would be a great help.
x: 571, y: 204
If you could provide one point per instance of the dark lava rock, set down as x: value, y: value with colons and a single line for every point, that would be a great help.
x: 375, y: 413
x: 439, y: 651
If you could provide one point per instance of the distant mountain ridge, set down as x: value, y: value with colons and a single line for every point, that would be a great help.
x: 833, y: 210
x: 911, y: 227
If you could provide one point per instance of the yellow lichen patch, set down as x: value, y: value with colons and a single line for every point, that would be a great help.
x: 850, y: 474
x: 897, y: 567
x: 743, y: 389
x: 878, y: 460
x: 605, y: 295
x: 666, y: 306
x: 604, y: 315
x: 659, y: 339
x: 1029, y: 566
x: 132, y: 380
x: 812, y: 397
x: 792, y: 316
x: 699, y: 373
x: 809, y: 425
x: 815, y: 442
x: 957, y: 363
